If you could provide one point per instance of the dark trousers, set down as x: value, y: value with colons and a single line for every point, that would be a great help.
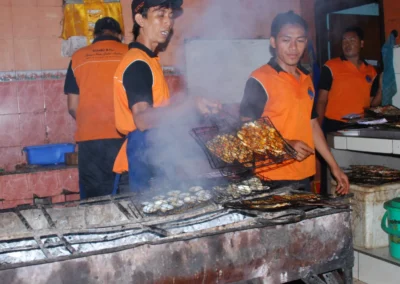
x: 95, y: 164
x: 329, y: 125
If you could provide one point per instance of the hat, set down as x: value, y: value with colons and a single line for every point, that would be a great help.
x: 139, y: 4
x: 107, y: 23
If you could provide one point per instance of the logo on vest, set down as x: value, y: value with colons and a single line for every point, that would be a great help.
x: 311, y: 93
x: 368, y: 78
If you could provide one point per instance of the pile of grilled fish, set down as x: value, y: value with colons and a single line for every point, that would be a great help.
x: 253, y: 137
x: 262, y: 138
x: 229, y: 149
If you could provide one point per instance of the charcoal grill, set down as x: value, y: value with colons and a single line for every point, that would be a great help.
x: 109, y: 240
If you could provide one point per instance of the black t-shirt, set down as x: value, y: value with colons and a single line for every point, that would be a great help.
x: 138, y: 79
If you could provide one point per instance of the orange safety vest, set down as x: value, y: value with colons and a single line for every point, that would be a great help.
x: 94, y: 67
x: 350, y: 90
x: 123, y: 114
x: 289, y: 106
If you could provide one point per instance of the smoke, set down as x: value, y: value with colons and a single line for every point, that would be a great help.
x: 176, y: 154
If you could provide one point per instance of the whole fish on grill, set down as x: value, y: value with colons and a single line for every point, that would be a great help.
x: 229, y: 149
x: 372, y: 174
x: 261, y: 138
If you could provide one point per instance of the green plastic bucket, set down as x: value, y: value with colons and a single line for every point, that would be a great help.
x: 392, y: 216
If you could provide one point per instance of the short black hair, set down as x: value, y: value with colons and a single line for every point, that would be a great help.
x: 144, y: 11
x: 357, y: 30
x: 287, y: 18
x: 107, y: 24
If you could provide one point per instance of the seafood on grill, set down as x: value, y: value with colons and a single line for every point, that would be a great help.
x: 176, y: 199
x: 174, y: 193
x: 190, y: 199
x: 229, y: 149
x: 296, y: 197
x: 195, y: 188
x: 244, y: 188
x: 262, y: 138
x: 372, y: 174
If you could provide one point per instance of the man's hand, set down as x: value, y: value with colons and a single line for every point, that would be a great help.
x: 342, y: 180
x: 302, y: 149
x: 207, y: 106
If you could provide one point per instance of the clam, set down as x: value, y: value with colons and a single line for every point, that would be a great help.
x: 158, y: 197
x: 160, y: 202
x: 177, y: 203
x: 244, y: 189
x: 148, y: 209
x: 166, y: 207
x: 195, y: 188
x: 172, y: 199
x: 190, y: 199
x: 204, y: 197
x: 183, y: 195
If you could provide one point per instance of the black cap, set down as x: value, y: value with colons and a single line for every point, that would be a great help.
x: 107, y: 23
x: 137, y: 5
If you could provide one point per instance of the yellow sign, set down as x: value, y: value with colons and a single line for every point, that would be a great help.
x: 79, y: 19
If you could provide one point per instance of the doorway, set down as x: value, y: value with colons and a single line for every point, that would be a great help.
x: 333, y: 17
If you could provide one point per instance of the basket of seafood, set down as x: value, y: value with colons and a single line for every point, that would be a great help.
x: 250, y: 145
x: 168, y: 202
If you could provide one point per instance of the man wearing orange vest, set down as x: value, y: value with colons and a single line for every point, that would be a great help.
x: 347, y: 86
x: 346, y: 83
x: 89, y: 86
x: 141, y: 95
x: 283, y: 91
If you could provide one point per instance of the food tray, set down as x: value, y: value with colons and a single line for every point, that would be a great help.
x: 265, y: 160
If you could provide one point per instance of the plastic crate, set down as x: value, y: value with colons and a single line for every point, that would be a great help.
x: 49, y: 154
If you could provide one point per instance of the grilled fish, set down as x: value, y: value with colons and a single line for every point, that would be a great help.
x: 229, y: 148
x: 261, y: 138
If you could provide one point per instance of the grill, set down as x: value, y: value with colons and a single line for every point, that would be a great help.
x: 267, y: 160
x: 372, y: 175
x: 110, y: 240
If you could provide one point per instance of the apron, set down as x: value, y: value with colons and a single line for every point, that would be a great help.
x: 141, y: 169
